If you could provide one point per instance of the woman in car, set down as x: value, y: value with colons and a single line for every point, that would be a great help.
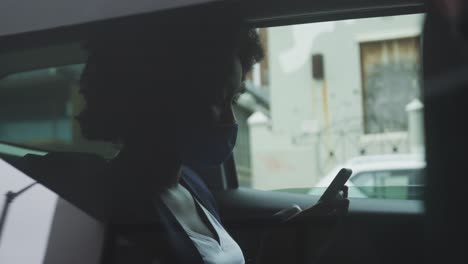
x: 165, y: 93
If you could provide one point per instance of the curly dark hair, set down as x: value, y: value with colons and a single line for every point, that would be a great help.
x: 134, y: 74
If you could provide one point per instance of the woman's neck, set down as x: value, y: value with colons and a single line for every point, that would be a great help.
x: 149, y: 169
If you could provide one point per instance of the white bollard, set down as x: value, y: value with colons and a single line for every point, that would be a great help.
x: 415, y: 113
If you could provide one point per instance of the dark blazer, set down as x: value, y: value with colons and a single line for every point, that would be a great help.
x: 181, y: 243
x: 146, y: 232
x: 164, y: 240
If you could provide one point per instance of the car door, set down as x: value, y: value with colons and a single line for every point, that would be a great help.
x: 375, y: 230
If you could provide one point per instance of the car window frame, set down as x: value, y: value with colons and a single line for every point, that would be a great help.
x: 276, y: 15
x: 229, y: 171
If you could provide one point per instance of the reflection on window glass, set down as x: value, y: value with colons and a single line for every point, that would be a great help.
x: 27, y: 221
x: 37, y: 108
x: 330, y: 95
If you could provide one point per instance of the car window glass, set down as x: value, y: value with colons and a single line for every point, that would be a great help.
x: 327, y: 95
x: 330, y: 95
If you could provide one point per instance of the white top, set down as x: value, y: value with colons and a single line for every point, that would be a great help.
x: 227, y: 251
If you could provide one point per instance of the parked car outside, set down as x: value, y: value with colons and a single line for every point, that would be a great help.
x: 391, y: 176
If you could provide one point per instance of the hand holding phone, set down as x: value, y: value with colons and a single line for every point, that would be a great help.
x: 329, y: 203
x: 337, y: 185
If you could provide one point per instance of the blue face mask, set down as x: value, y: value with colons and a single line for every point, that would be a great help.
x: 206, y: 146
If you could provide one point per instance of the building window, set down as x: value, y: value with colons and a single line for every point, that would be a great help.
x: 390, y: 80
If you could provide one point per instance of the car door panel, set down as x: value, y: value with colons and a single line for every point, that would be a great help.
x: 374, y: 231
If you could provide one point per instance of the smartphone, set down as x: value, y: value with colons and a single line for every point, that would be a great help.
x: 336, y: 185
